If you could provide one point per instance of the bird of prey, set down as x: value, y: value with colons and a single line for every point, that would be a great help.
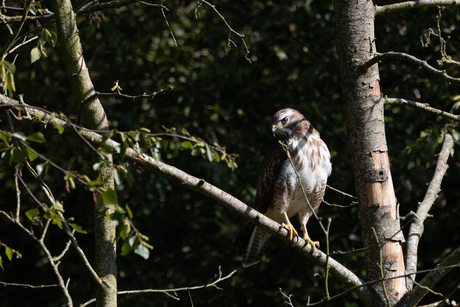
x: 279, y: 193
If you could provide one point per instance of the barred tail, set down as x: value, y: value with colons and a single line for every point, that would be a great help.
x: 256, y: 247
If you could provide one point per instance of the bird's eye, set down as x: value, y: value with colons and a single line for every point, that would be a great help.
x: 284, y: 120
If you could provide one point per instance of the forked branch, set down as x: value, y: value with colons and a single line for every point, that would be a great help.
x: 416, y: 229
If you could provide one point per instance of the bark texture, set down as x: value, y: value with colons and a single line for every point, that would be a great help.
x: 93, y: 117
x: 363, y: 105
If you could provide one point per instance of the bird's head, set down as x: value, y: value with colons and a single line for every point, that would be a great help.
x: 286, y: 123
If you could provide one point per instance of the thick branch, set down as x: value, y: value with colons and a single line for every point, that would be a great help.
x: 404, y: 56
x: 390, y: 8
x: 424, y: 106
x: 199, y: 185
x: 416, y: 229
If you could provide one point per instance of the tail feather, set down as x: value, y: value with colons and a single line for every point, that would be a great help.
x: 256, y: 247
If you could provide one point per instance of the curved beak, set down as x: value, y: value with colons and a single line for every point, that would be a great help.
x: 276, y: 129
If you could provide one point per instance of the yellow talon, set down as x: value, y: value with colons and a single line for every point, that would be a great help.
x: 288, y: 226
x: 314, y: 244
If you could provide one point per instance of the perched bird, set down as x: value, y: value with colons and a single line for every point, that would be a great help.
x: 279, y: 194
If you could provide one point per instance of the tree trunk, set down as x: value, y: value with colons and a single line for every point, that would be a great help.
x: 93, y: 117
x: 363, y: 106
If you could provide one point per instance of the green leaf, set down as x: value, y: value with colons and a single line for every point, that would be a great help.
x: 59, y: 128
x: 109, y: 197
x: 31, y: 155
x: 187, y: 145
x: 145, y: 130
x: 52, y: 38
x: 124, y: 231
x: 120, y: 209
x: 35, y: 55
x: 37, y: 137
x: 78, y: 228
x: 1, y: 263
x: 32, y: 213
x: 20, y: 136
x: 94, y: 183
x: 142, y: 251
x: 4, y: 138
x: 119, y: 174
x: 58, y: 206
x: 9, y: 253
x: 97, y: 166
x: 209, y: 154
x: 42, y: 169
x: 130, y: 213
x: 19, y: 155
x: 126, y: 249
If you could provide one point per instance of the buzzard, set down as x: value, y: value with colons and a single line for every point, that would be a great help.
x: 279, y: 193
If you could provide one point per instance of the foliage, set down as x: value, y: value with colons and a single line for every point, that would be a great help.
x: 222, y: 103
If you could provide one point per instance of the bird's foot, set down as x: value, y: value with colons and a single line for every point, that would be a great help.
x: 290, y: 229
x: 314, y: 244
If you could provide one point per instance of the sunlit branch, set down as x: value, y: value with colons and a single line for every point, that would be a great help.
x: 407, y: 57
x: 424, y: 106
x: 144, y: 95
x: 390, y: 8
x: 416, y: 229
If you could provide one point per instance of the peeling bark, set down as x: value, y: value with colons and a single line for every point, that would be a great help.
x: 363, y: 106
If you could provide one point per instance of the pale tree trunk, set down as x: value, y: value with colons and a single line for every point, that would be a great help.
x: 363, y: 104
x: 93, y: 117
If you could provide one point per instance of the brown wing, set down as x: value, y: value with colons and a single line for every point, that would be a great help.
x: 271, y: 167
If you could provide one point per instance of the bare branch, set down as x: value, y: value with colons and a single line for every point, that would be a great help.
x: 424, y: 106
x: 404, y: 56
x: 171, y: 292
x: 416, y: 229
x: 390, y: 8
x: 26, y: 285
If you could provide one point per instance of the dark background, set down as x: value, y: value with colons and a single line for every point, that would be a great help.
x: 221, y: 97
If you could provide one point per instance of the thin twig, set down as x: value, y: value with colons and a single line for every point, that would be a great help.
x: 167, y: 23
x: 424, y: 106
x: 169, y: 291
x: 390, y: 8
x: 228, y: 26
x: 382, y: 275
x: 404, y: 56
x: 13, y: 40
x: 26, y: 285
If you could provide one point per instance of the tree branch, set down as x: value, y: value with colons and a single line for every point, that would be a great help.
x: 404, y: 56
x: 416, y: 229
x: 390, y: 8
x: 424, y: 106
x: 172, y: 292
x: 201, y: 186
x: 414, y: 296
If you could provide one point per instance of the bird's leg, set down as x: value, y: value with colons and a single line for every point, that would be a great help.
x: 306, y: 238
x: 287, y: 225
